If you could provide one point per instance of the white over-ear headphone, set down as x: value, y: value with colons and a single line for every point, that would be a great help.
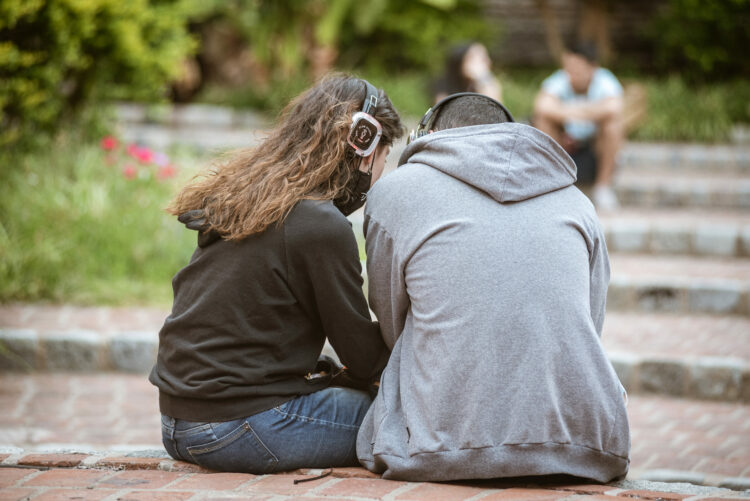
x: 365, y: 132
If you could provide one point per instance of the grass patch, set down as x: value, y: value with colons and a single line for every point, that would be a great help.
x: 74, y: 228
x: 705, y: 114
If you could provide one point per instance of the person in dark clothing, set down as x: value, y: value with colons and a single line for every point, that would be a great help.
x: 468, y: 68
x: 276, y: 272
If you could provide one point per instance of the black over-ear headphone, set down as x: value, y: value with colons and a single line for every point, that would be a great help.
x: 423, y: 126
x: 365, y: 132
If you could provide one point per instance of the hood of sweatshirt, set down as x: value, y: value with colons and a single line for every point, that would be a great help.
x: 196, y: 220
x: 509, y: 161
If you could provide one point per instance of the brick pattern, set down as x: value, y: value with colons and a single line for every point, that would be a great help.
x: 707, y: 438
x: 96, y: 484
x: 672, y: 336
x: 98, y: 409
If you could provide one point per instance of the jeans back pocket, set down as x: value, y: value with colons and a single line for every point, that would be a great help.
x: 240, y: 449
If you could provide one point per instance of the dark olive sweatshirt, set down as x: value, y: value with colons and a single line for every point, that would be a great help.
x: 249, y: 318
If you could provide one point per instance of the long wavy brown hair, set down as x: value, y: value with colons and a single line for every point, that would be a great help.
x: 305, y: 156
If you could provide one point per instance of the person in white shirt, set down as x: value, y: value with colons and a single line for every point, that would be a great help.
x: 581, y: 107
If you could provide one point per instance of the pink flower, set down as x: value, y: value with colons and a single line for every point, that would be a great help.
x: 129, y: 171
x: 167, y: 171
x: 140, y: 153
x: 109, y: 143
x: 144, y: 155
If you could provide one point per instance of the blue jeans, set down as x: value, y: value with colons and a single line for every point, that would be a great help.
x: 318, y: 430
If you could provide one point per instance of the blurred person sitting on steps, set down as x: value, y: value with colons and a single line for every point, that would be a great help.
x: 276, y: 272
x: 488, y: 272
x: 468, y: 68
x: 581, y: 107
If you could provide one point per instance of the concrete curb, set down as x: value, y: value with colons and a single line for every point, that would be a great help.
x: 704, y: 378
x: 647, y: 482
x: 714, y: 240
x: 679, y: 157
x: 190, y: 115
x: 734, y: 195
x: 675, y: 295
x: 25, y: 350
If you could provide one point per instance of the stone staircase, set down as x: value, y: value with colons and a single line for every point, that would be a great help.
x: 679, y: 298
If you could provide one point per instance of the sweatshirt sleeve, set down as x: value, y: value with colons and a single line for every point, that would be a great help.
x: 324, y: 261
x: 386, y: 286
x: 599, y: 278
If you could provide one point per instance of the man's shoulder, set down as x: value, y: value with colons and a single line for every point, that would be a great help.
x: 404, y: 178
x: 399, y: 192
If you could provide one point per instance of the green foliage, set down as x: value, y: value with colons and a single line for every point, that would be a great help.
x: 56, y: 55
x: 385, y: 34
x: 409, y: 92
x: 74, y: 228
x: 704, y: 40
x: 411, y: 35
x: 681, y: 112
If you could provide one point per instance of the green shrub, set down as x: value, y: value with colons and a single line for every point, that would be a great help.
x: 703, y: 40
x: 681, y: 112
x: 395, y: 35
x: 286, y: 38
x: 56, y: 55
x: 85, y: 225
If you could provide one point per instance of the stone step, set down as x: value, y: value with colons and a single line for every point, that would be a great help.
x: 680, y: 157
x: 701, y: 356
x: 204, y: 140
x: 690, y: 231
x: 111, y: 420
x: 660, y: 189
x: 191, y: 115
x: 696, y: 356
x: 679, y: 284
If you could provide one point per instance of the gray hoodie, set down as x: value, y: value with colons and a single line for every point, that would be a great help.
x: 488, y: 272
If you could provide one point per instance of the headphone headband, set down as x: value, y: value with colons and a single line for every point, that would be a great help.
x: 371, y: 98
x: 425, y: 121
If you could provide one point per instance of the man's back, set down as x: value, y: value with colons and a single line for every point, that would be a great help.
x: 488, y: 273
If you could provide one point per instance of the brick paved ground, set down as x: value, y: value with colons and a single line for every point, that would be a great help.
x: 684, y: 267
x: 105, y: 411
x: 677, y: 336
x: 168, y: 480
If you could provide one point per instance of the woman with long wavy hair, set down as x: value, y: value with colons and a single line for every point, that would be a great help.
x: 276, y: 272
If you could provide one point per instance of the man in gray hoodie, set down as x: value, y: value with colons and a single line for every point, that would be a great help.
x: 488, y: 272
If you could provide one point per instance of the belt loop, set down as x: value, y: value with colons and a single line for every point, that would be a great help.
x: 173, y: 425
